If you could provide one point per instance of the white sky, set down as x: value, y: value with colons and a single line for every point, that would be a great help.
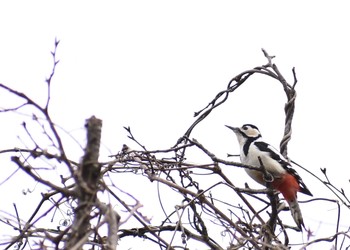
x: 152, y: 64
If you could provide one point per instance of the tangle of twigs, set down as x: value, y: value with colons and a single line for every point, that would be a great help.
x: 211, y: 212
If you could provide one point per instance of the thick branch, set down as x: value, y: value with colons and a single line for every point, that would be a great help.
x: 86, y: 179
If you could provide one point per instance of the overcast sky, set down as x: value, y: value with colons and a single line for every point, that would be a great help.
x: 152, y: 64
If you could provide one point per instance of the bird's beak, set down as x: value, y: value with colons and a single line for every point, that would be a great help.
x: 234, y: 129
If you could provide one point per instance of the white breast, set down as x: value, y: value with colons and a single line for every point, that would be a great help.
x: 271, y: 165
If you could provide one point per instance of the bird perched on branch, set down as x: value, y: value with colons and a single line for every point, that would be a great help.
x: 256, y: 152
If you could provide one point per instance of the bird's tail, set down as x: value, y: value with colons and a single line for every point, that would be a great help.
x: 296, y: 213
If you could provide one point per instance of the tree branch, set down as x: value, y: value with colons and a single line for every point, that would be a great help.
x: 87, y: 178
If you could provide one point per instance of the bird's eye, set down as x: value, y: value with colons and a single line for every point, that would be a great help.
x: 245, y: 127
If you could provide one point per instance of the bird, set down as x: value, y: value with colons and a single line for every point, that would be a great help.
x: 255, y: 152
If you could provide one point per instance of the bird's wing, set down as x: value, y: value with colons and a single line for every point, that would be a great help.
x: 274, y: 154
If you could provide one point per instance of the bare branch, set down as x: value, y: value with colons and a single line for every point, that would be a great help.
x: 86, y: 179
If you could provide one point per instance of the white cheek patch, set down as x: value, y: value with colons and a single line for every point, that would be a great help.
x: 252, y: 133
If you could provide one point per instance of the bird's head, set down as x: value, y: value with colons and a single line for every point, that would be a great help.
x: 247, y: 131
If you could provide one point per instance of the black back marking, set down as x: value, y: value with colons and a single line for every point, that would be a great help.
x: 263, y: 146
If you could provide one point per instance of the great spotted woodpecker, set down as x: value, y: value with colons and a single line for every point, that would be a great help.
x: 285, y: 179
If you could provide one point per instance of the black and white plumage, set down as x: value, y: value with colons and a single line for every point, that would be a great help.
x: 285, y: 178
